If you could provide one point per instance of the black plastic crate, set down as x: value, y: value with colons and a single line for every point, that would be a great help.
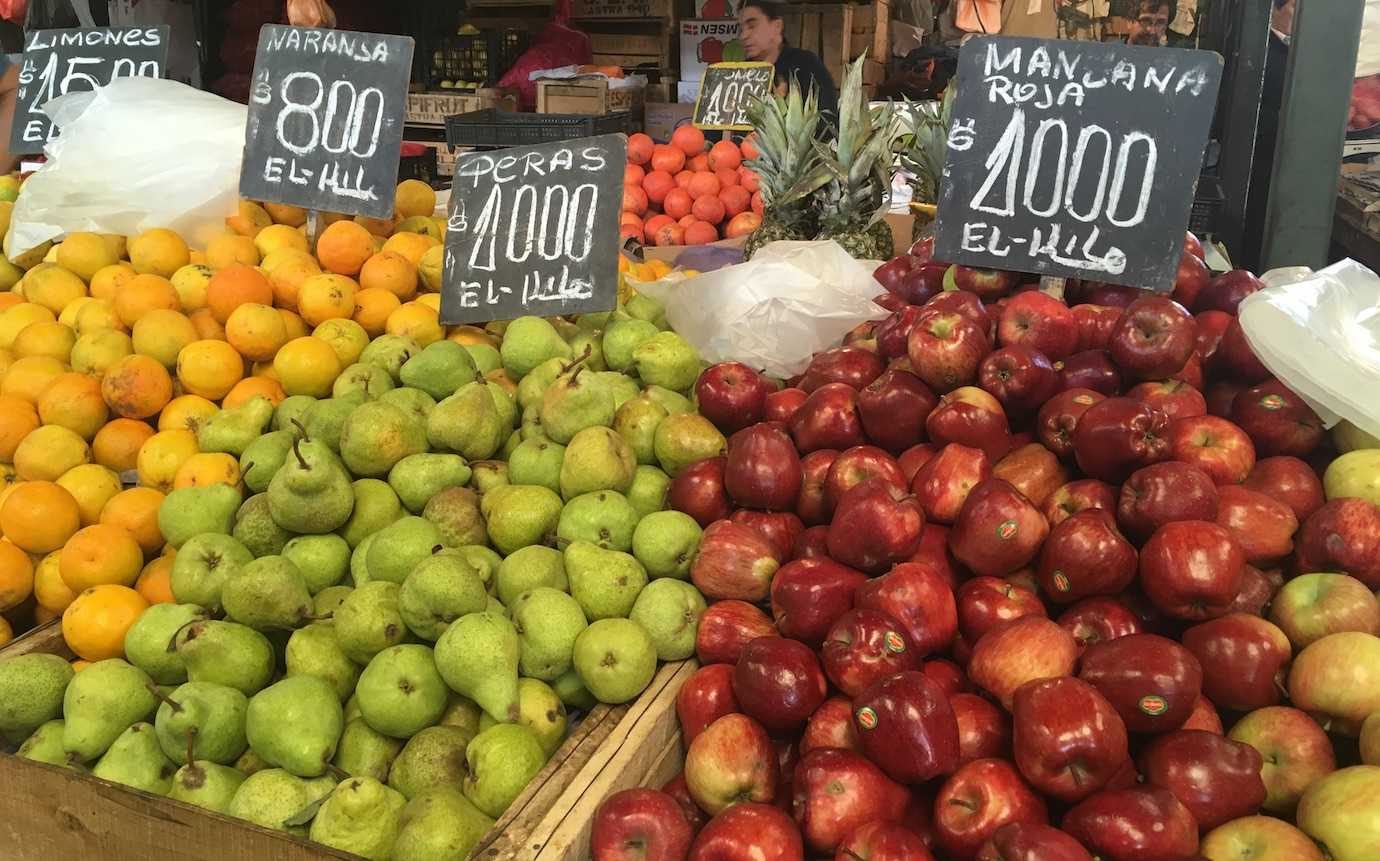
x: 1208, y: 201
x: 492, y: 128
x: 481, y: 57
x: 421, y: 167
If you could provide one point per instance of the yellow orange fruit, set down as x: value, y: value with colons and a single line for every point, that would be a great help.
x: 254, y: 387
x: 307, y: 366
x: 15, y: 319
x: 419, y: 224
x: 188, y: 412
x: 108, y: 281
x: 18, y: 418
x: 379, y: 228
x: 117, y: 443
x: 74, y: 401
x: 278, y: 237
x: 411, y: 246
x: 161, y: 456
x: 95, y: 352
x: 256, y: 331
x: 296, y: 326
x: 326, y: 297
x: 206, y: 468
x: 209, y: 368
x: 282, y: 213
x: 39, y: 516
x: 229, y: 249
x: 98, y: 314
x: 69, y: 314
x: 136, y: 511
x: 27, y: 378
x: 416, y: 321
x: 155, y: 581
x: 236, y: 285
x: 16, y: 576
x: 48, y: 452
x: 208, y: 328
x: 191, y: 282
x: 52, y: 286
x: 142, y: 294
x: 92, y: 486
x: 95, y: 623
x: 9, y: 300
x: 161, y: 334
x: 343, y: 247
x: 472, y: 335
x: 390, y: 271
x: 372, y: 309
x: 85, y: 254
x: 45, y: 339
x: 429, y: 269
x: 136, y: 387
x: 119, y: 244
x: 158, y: 252
x: 249, y: 219
x: 346, y: 337
x: 414, y: 197
x: 50, y: 591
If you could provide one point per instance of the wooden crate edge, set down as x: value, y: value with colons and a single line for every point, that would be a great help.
x: 45, y: 638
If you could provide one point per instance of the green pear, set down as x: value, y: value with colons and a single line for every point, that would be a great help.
x: 361, y: 379
x: 484, y: 356
x: 572, y: 691
x: 526, y: 515
x: 390, y: 352
x: 621, y: 338
x: 365, y: 752
x: 414, y: 402
x: 484, y: 560
x: 148, y: 640
x: 256, y: 529
x: 529, y: 341
x: 673, y: 403
x: 575, y: 401
x: 488, y: 475
x: 314, y: 651
x: 502, y: 760
x: 400, y: 692
x: 250, y: 763
x: 462, y: 713
x: 226, y: 653
x: 496, y: 607
x: 547, y: 622
x: 540, y: 710
x: 537, y: 461
x: 666, y: 543
x: 326, y: 421
x: 440, y: 824
x: 435, y: 756
x: 622, y: 387
x: 636, y: 422
x: 669, y: 611
x: 292, y: 411
x: 262, y: 458
x: 310, y: 494
x: 325, y: 602
x: 201, y: 720
x: 441, y: 588
x: 604, y: 517
x: 206, y: 785
x: 267, y: 594
x: 376, y: 506
x: 369, y: 620
x: 135, y: 760
x: 596, y: 459
x: 529, y: 568
x: 648, y: 491
x: 101, y: 702
x: 231, y: 431
x: 531, y: 386
x: 439, y: 369
x: 201, y: 567
x: 398, y: 547
x: 273, y: 797
x: 666, y: 359
x: 606, y: 583
x: 590, y: 345
x: 478, y: 657
x: 294, y: 724
x: 510, y: 446
x: 191, y: 511
x: 376, y: 436
x: 416, y: 478
x: 615, y: 659
x: 593, y: 321
x: 45, y: 745
x: 531, y: 424
x: 360, y: 816
x: 322, y: 560
x: 32, y: 686
x: 467, y: 423
x: 641, y: 307
x: 683, y: 438
x: 455, y: 511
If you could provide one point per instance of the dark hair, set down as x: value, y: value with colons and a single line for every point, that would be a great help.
x: 773, y: 9
x: 1153, y: 5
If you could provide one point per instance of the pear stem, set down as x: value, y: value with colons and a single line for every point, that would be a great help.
x: 580, y: 359
x: 298, y: 452
x: 575, y: 376
x: 301, y: 429
x: 164, y: 698
x: 340, y: 773
x: 191, y: 745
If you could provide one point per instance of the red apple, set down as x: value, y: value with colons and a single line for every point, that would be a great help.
x: 1151, y: 681
x: 934, y: 552
x: 864, y: 646
x: 1243, y: 659
x: 1095, y: 324
x: 704, y: 698
x: 889, y: 302
x: 811, y: 505
x: 852, y: 366
x: 945, y: 349
x: 978, y: 799
x: 1033, y: 470
x: 838, y: 791
x: 1038, y: 320
x: 1216, y: 778
x: 828, y: 419
x: 1096, y: 620
x: 749, y: 832
x: 883, y: 841
x: 854, y: 466
x: 988, y: 284
x: 1295, y: 752
x: 1115, y: 295
x: 831, y: 726
x: 1210, y: 326
x: 1076, y: 496
x: 782, y: 404
x: 1290, y: 481
x: 1020, y: 377
x: 734, y: 561
x: 894, y: 407
x: 1085, y: 555
x: 680, y: 793
x: 778, y: 682
x: 919, y: 599
x: 1090, y: 369
x: 1191, y: 569
x: 862, y: 336
x: 1016, y: 652
x: 913, y: 458
x: 1214, y: 445
x: 948, y: 675
x: 891, y: 273
x: 763, y: 468
x: 875, y: 525
x: 986, y: 602
x: 731, y: 395
x: 1220, y: 396
x: 809, y: 595
x: 1342, y: 536
x: 964, y: 303
x: 1022, y: 841
x: 983, y: 729
x: 1193, y: 245
x: 923, y: 282
x: 1227, y: 290
x: 1191, y: 279
x: 893, y: 333
x: 1277, y: 420
x: 970, y: 416
x: 1118, y: 436
x: 1260, y: 838
x: 907, y: 727
x: 732, y: 761
x: 1134, y: 824
x: 942, y: 484
x: 1311, y: 606
x: 1191, y: 374
x: 812, y: 543
x: 998, y: 530
x: 1164, y: 493
x: 1258, y: 589
x: 698, y: 490
x: 1174, y: 398
x: 1262, y: 527
x: 726, y: 627
x: 1234, y: 356
x: 640, y: 825
x: 1153, y: 339
x: 1059, y: 416
x: 1067, y: 739
x: 780, y: 528
x: 1204, y: 717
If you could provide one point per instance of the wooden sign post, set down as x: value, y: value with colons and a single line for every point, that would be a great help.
x: 726, y: 91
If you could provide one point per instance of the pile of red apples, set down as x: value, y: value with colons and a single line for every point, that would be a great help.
x: 990, y: 580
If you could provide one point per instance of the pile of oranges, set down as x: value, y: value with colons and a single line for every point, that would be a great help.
x: 114, y: 351
x: 688, y: 193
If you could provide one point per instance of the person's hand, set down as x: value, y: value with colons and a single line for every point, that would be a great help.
x: 310, y: 13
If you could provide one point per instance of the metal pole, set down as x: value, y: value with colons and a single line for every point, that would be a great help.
x: 1245, y: 46
x: 1312, y: 130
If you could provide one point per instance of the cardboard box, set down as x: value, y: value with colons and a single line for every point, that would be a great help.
x: 687, y: 91
x: 663, y: 119
x: 431, y: 108
x: 705, y: 42
x: 590, y: 95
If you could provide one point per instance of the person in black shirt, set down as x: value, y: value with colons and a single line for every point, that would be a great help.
x: 761, y: 26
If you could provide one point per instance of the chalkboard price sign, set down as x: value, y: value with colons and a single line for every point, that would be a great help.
x: 1075, y: 159
x: 57, y: 62
x: 326, y: 119
x: 726, y: 91
x: 534, y: 230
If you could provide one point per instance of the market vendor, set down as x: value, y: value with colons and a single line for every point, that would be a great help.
x: 762, y: 34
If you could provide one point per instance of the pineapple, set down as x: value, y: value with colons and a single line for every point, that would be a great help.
x: 859, y: 164
x: 923, y: 153
x: 789, y: 169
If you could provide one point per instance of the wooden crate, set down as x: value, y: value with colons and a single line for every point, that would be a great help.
x: 841, y: 33
x: 631, y: 50
x: 430, y: 108
x: 48, y: 812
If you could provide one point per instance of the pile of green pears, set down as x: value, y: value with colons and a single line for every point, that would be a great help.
x: 382, y: 644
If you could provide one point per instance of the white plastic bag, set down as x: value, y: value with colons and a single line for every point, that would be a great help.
x: 774, y: 312
x: 136, y: 154
x: 1319, y: 333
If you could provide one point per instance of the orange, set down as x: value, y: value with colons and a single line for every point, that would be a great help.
x: 74, y: 401
x: 18, y: 418
x: 235, y: 285
x: 95, y: 352
x: 282, y: 213
x: 50, y: 591
x: 85, y: 254
x: 158, y: 252
x: 414, y: 197
x: 51, y: 286
x: 161, y: 455
x: 416, y: 321
x: 48, y: 452
x: 372, y: 308
x: 472, y: 335
x: 69, y: 314
x: 142, y: 294
x: 287, y: 278
x: 27, y: 378
x: 92, y: 486
x: 229, y: 249
x: 9, y: 300
x: 188, y: 412
x: 377, y: 227
x: 430, y: 300
x: 98, y: 314
x: 254, y: 387
x: 392, y: 272
x: 16, y: 576
x: 209, y: 368
x: 264, y: 370
x: 106, y: 282
x: 408, y: 245
x: 45, y: 339
x: 155, y: 581
x: 15, y: 319
x: 161, y: 334
x: 326, y: 297
x: 346, y: 337
x: 256, y: 331
x: 208, y: 328
x: 39, y: 516
x: 278, y: 237
x: 136, y: 511
x: 98, y: 555
x: 95, y: 623
x: 136, y: 387
x: 307, y: 366
x: 117, y: 443
x: 429, y: 268
x: 190, y: 283
x: 343, y: 247
x: 296, y: 326
x: 250, y: 219
x: 206, y: 468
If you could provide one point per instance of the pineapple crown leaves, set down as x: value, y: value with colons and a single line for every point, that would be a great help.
x: 785, y: 153
x: 923, y: 146
x: 860, y: 160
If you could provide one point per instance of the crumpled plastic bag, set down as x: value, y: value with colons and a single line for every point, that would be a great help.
x: 137, y: 154
x: 774, y: 312
x: 1319, y: 333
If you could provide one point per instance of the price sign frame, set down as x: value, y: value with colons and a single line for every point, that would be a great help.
x: 81, y: 51
x: 730, y: 68
x: 1075, y: 159
x: 501, y: 259
x: 325, y: 124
